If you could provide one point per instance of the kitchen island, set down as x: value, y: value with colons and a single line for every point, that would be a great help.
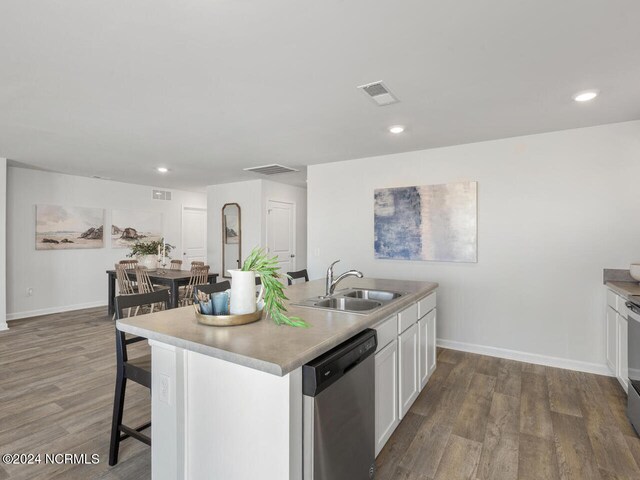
x: 227, y: 402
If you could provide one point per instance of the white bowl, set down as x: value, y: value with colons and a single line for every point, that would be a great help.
x: 634, y: 270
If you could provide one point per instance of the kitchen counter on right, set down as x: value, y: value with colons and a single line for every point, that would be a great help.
x: 625, y: 289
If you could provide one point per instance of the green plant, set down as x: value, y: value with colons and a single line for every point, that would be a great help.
x: 149, y: 248
x: 267, y: 268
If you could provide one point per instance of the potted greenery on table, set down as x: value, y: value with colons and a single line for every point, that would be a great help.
x: 269, y: 272
x: 148, y: 253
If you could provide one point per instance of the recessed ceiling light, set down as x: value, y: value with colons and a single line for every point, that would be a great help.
x: 396, y: 129
x: 585, y: 96
x: 163, y: 169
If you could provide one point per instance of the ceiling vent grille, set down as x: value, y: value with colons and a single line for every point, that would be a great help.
x: 161, y: 195
x: 273, y: 169
x: 379, y: 93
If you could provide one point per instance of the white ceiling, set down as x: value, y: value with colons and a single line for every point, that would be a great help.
x: 208, y: 87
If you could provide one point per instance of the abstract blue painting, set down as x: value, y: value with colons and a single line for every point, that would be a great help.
x: 430, y: 223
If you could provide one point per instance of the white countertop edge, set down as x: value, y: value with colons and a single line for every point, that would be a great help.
x: 250, y: 362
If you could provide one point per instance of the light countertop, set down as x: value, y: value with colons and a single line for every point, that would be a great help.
x: 265, y: 346
x: 626, y: 289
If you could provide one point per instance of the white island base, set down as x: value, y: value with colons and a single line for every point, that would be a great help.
x: 214, y: 419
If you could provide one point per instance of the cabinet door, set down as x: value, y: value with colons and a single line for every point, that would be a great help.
x: 423, y: 354
x: 431, y: 341
x: 387, y: 411
x: 612, y: 340
x: 408, y: 368
x: 623, y: 365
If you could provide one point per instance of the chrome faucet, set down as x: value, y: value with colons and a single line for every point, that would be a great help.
x: 331, y: 283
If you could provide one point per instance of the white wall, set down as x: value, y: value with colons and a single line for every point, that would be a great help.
x: 553, y: 211
x: 252, y: 197
x: 3, y: 243
x: 70, y: 279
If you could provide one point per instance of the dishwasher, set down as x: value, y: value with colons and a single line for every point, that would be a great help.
x: 339, y: 412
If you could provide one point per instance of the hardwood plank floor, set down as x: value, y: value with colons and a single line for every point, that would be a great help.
x: 478, y: 417
x: 481, y: 418
x: 57, y: 375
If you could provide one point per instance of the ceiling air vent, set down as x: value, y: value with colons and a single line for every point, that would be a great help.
x: 161, y: 195
x: 379, y: 93
x: 273, y: 169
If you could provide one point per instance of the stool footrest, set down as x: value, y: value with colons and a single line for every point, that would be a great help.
x: 135, y: 433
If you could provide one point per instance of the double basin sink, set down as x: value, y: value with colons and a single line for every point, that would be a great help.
x: 352, y: 300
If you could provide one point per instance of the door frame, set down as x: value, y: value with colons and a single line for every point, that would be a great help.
x: 206, y: 236
x: 295, y: 228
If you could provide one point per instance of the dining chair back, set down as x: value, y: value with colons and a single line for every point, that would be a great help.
x: 125, y: 285
x: 197, y: 263
x: 210, y: 288
x: 300, y: 274
x: 199, y: 276
x: 176, y: 265
x: 129, y: 263
x: 135, y: 369
x: 143, y: 280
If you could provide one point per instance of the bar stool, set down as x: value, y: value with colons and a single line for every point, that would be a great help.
x: 297, y: 275
x: 135, y: 369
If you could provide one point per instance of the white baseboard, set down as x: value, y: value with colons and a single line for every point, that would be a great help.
x: 558, y: 362
x: 47, y: 311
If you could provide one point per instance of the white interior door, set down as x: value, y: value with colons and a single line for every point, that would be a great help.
x: 281, y: 230
x: 194, y: 235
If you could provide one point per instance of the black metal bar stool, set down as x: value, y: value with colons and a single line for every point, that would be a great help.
x: 297, y: 275
x: 135, y: 369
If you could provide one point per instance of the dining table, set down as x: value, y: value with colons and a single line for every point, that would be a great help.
x: 174, y: 279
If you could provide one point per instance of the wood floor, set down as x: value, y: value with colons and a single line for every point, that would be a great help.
x: 479, y: 417
x: 57, y: 375
x: 484, y: 418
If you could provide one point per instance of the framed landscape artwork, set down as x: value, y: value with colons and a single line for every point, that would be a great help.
x: 128, y: 226
x: 431, y: 223
x: 65, y: 228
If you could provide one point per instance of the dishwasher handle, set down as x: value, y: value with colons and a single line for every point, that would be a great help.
x: 322, y: 372
x: 633, y: 307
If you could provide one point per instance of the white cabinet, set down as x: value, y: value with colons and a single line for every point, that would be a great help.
x: 409, y: 385
x: 405, y: 359
x: 623, y: 363
x: 616, y: 333
x: 423, y: 355
x: 387, y: 412
x: 612, y: 339
x: 431, y: 343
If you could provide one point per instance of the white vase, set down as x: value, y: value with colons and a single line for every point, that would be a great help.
x: 149, y: 261
x: 243, y: 292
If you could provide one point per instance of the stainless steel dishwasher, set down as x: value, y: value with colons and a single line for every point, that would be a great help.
x: 339, y: 412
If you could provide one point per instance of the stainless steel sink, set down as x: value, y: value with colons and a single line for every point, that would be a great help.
x: 380, y: 295
x: 352, y: 300
x: 348, y: 304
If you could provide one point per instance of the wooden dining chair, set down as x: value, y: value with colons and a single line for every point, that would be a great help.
x: 199, y: 276
x: 297, y: 275
x: 125, y: 285
x: 210, y: 288
x: 176, y: 265
x: 129, y: 263
x: 135, y: 369
x: 145, y: 285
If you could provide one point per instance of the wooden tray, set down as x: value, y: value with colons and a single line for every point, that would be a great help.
x: 226, y: 320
